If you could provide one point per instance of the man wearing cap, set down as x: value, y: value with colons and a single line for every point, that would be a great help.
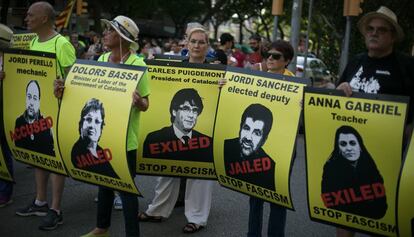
x: 40, y: 19
x: 120, y: 37
x: 380, y: 70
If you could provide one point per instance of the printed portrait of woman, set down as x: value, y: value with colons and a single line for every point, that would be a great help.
x: 351, y: 181
x: 86, y: 152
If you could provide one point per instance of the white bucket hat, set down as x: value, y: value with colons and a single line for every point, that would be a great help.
x: 126, y: 28
x: 383, y: 13
x: 6, y: 35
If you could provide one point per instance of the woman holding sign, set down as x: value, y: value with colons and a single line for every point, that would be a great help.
x: 277, y: 59
x: 120, y: 38
x: 198, y: 192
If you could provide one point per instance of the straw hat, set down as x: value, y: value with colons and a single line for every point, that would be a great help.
x: 383, y: 13
x: 126, y: 28
x: 6, y: 35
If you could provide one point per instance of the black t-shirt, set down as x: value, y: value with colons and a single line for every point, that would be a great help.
x: 221, y: 56
x: 376, y: 76
x: 393, y: 74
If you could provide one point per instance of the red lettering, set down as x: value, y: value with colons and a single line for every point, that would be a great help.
x: 251, y: 166
x: 181, y: 146
x: 107, y: 154
x: 36, y: 128
x: 231, y: 170
x: 354, y: 197
x: 257, y: 165
x: 193, y: 144
x: 238, y: 168
x: 267, y: 164
x: 346, y: 196
x: 49, y: 122
x: 165, y: 147
x: 154, y: 148
x: 327, y: 200
x: 204, y: 142
x: 379, y: 190
x: 366, y: 192
x: 338, y: 199
x: 42, y: 124
x: 30, y: 129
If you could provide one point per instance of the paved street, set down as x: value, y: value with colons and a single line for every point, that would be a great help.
x: 228, y: 216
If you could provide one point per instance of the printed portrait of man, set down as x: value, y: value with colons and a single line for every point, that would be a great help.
x: 351, y: 181
x: 86, y: 152
x: 32, y: 131
x: 180, y: 141
x: 244, y: 157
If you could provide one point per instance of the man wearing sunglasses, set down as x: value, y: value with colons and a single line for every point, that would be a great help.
x: 180, y: 141
x: 380, y: 70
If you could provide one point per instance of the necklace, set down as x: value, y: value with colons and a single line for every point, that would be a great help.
x: 123, y: 57
x: 121, y: 61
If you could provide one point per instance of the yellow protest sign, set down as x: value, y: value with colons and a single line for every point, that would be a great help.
x: 255, y: 131
x: 353, y: 157
x: 175, y: 137
x: 405, y: 212
x: 93, y: 123
x: 30, y: 108
x: 22, y: 40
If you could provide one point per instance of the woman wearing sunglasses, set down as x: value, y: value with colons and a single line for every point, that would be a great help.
x: 277, y: 59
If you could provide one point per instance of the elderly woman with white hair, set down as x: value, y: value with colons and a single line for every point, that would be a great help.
x: 120, y: 38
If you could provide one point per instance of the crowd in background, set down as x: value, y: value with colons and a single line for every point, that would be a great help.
x: 89, y: 46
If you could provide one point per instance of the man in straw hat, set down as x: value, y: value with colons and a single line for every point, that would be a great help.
x: 380, y: 70
x: 40, y: 19
x: 120, y: 38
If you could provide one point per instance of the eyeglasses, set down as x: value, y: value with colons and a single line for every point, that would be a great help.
x: 200, y: 42
x: 188, y: 109
x: 275, y: 56
x: 380, y: 30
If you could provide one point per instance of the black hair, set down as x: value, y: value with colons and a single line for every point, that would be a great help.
x: 284, y: 47
x: 226, y: 37
x: 259, y: 112
x: 91, y: 105
x: 187, y: 94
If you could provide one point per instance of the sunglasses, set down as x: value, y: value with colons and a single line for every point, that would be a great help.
x: 275, y: 56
